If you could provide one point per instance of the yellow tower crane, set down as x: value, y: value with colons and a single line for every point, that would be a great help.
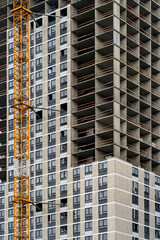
x: 21, y: 107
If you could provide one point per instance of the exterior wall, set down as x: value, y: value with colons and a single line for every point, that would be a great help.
x: 114, y: 135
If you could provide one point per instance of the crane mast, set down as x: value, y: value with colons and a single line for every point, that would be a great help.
x: 21, y: 107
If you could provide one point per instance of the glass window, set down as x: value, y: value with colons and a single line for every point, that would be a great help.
x: 102, y: 209
x: 157, y: 220
x: 52, y: 58
x: 51, y: 113
x: 157, y: 234
x: 38, y: 88
x: 76, y: 172
x: 52, y: 85
x: 63, y: 148
x: 134, y: 187
x: 39, y: 101
x: 38, y: 35
x: 146, y: 232
x: 102, y: 181
x: 51, y: 44
x: 10, y: 213
x: 10, y: 34
x: 103, y: 236
x: 52, y: 71
x: 52, y: 177
x: 51, y: 232
x: 52, y: 192
x: 134, y: 199
x: 63, y: 39
x: 32, y: 52
x: 51, y: 150
x: 146, y: 176
x: 63, y: 67
x: 102, y: 166
x: 63, y: 121
x: 10, y: 47
x: 63, y: 175
x: 146, y: 191
x: 39, y: 49
x: 88, y: 226
x: 10, y: 84
x: 38, y: 62
x: 135, y: 215
x: 51, y: 31
x: 146, y: 205
x: 63, y: 81
x: 38, y: 181
x: 88, y: 170
x: 157, y: 195
x: 88, y: 212
x: 10, y: 136
x: 76, y: 200
x: 76, y: 186
x: 38, y: 220
x: 63, y: 188
x: 10, y: 59
x: 89, y: 238
x: 76, y: 214
x: 39, y: 193
x: 76, y: 228
x: 157, y: 180
x: 135, y: 171
x: 52, y: 165
x: 52, y: 124
x: 88, y: 183
x: 88, y: 198
x: 11, y: 161
x: 157, y: 207
x: 38, y: 234
x: 2, y: 214
x: 31, y: 38
x: 39, y: 127
x: 63, y: 94
x: 63, y: 27
x: 146, y: 218
x: 38, y: 154
x: 10, y: 73
x: 38, y: 75
x: 103, y: 225
x: 102, y: 195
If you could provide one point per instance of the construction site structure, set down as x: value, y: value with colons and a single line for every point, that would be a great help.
x: 96, y: 162
x: 21, y: 107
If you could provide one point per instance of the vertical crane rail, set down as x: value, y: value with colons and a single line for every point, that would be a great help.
x: 21, y: 117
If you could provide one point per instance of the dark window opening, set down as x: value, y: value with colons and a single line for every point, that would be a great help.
x: 64, y: 12
x: 64, y: 109
x: 39, y: 22
x: 32, y: 25
x: 39, y: 115
x: 64, y: 202
x: 51, y: 19
x: 38, y: 207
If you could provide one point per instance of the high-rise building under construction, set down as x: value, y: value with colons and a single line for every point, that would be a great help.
x: 95, y: 132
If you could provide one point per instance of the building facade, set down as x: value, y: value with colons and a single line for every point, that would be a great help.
x: 94, y: 154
